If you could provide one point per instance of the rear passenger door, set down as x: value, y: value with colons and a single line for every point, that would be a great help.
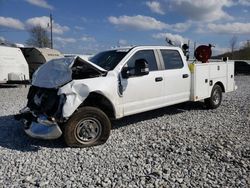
x: 177, y: 77
x: 142, y: 93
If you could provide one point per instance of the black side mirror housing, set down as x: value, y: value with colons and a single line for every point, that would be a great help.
x: 141, y: 67
x: 125, y: 72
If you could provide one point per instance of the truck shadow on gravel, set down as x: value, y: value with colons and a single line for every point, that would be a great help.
x: 13, y: 137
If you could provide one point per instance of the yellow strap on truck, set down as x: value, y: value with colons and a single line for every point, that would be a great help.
x: 191, y: 67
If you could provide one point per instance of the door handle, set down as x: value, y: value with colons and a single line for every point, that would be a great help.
x: 158, y: 79
x: 185, y: 76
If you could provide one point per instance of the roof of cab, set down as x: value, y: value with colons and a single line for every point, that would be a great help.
x: 124, y: 48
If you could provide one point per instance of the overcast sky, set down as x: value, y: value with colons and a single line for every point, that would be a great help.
x: 93, y: 25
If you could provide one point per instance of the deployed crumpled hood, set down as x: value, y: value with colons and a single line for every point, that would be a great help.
x: 58, y: 72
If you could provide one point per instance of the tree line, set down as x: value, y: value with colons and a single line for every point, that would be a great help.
x: 242, y: 54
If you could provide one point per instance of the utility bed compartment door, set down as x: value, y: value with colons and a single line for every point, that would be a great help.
x: 217, y: 70
x: 200, y: 82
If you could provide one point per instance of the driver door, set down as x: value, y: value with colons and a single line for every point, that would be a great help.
x: 142, y: 93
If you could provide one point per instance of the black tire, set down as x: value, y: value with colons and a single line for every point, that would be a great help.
x: 89, y: 126
x: 215, y: 99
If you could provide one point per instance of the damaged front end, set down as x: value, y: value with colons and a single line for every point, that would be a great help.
x: 43, y: 113
x: 43, y: 116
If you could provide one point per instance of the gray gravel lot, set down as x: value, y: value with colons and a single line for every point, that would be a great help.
x: 179, y: 146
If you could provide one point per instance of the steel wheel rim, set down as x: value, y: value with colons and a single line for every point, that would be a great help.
x: 88, y: 130
x: 216, y: 97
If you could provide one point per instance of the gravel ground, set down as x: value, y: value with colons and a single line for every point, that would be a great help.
x: 178, y: 146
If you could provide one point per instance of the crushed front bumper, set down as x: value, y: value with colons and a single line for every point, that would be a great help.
x: 42, y: 131
x: 39, y: 126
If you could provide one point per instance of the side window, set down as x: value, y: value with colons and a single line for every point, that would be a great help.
x: 148, y: 55
x: 172, y: 59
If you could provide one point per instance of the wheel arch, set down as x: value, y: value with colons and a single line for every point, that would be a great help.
x: 221, y: 85
x: 98, y: 100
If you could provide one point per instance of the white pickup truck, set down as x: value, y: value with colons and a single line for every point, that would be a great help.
x: 79, y: 97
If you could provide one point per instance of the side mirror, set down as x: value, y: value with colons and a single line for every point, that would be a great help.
x: 141, y: 67
x: 125, y: 72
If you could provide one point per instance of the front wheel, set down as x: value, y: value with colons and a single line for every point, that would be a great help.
x: 215, y: 99
x: 89, y: 126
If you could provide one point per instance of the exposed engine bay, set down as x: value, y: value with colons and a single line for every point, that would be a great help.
x: 45, y: 101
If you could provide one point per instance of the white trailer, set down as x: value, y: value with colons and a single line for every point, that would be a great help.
x: 35, y: 57
x: 13, y: 66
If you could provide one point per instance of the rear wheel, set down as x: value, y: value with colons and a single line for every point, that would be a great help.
x: 89, y: 126
x: 215, y: 99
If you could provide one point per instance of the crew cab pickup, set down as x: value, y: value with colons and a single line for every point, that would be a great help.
x: 80, y: 97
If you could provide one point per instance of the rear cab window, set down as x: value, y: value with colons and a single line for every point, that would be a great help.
x: 172, y: 59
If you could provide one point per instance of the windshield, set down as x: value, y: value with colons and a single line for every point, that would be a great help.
x: 109, y: 59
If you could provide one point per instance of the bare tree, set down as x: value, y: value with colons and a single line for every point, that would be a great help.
x: 38, y: 37
x: 233, y: 43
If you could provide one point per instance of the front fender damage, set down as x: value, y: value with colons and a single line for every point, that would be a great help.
x: 75, y: 93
